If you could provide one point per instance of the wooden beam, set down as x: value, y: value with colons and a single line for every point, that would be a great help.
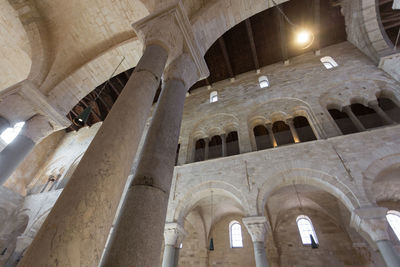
x: 108, y: 108
x: 317, y: 23
x: 382, y: 2
x: 113, y: 88
x: 127, y: 75
x: 226, y: 56
x: 395, y: 24
x: 282, y: 33
x: 252, y: 43
x: 120, y: 82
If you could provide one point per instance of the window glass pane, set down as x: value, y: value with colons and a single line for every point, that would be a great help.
x: 306, y: 229
x: 393, y: 218
x: 236, y: 235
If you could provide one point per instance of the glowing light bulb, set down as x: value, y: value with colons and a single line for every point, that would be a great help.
x: 303, y: 37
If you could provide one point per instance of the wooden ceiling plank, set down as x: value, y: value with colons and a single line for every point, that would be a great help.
x: 282, y: 34
x: 252, y: 44
x: 113, y: 88
x: 317, y: 23
x: 120, y: 82
x: 226, y: 56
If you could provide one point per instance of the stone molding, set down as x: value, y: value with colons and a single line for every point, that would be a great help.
x: 257, y: 227
x: 171, y: 29
x: 37, y: 128
x: 371, y: 222
x: 29, y: 91
x: 174, y: 234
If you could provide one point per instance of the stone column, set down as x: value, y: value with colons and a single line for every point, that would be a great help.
x: 173, y: 237
x: 293, y: 130
x: 34, y: 130
x: 206, y: 143
x: 271, y: 135
x: 139, y: 231
x: 372, y: 224
x: 76, y: 230
x: 360, y: 127
x: 22, y: 243
x: 375, y: 106
x: 223, y: 139
x: 256, y: 226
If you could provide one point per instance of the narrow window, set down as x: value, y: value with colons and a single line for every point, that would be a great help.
x: 282, y: 133
x: 215, y: 147
x: 199, y: 150
x: 9, y: 134
x: 263, y: 140
x: 393, y: 218
x: 303, y: 128
x: 213, y: 96
x: 306, y: 229
x: 235, y: 234
x: 343, y: 121
x: 232, y: 144
x: 329, y: 62
x: 263, y: 80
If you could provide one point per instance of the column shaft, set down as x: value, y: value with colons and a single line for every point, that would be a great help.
x: 360, y: 127
x: 271, y: 135
x: 388, y: 253
x: 169, y: 256
x: 293, y: 130
x: 206, y: 141
x: 13, y: 154
x: 260, y: 255
x: 375, y: 106
x: 138, y: 234
x: 76, y: 230
x: 223, y: 138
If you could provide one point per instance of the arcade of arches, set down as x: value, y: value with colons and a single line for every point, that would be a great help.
x: 217, y: 141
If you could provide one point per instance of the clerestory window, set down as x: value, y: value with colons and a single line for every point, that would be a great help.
x: 235, y: 234
x: 329, y: 62
x: 306, y: 229
x: 393, y: 218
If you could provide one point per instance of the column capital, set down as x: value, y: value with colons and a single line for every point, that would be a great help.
x: 171, y: 29
x: 183, y: 68
x: 371, y: 222
x: 37, y: 128
x: 257, y: 227
x: 174, y: 234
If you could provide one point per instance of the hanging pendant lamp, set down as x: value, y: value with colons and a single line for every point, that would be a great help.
x: 83, y: 117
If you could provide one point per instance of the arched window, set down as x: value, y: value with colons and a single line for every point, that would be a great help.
x: 343, y: 121
x: 367, y: 116
x: 232, y: 144
x: 10, y: 133
x: 262, y: 138
x: 282, y: 133
x: 213, y: 96
x: 393, y: 218
x: 329, y: 62
x: 304, y: 130
x: 263, y: 80
x: 306, y: 229
x: 391, y: 109
x: 235, y: 234
x: 215, y: 147
x: 199, y: 150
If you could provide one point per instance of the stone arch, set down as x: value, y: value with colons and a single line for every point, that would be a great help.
x: 36, y: 224
x: 319, y: 179
x: 63, y: 182
x: 203, y: 190
x: 375, y: 169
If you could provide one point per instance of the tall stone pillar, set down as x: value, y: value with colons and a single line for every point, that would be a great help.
x: 293, y: 130
x: 75, y: 231
x: 139, y: 231
x: 360, y: 127
x: 256, y: 226
x: 223, y: 139
x: 372, y: 224
x: 271, y: 135
x: 34, y: 130
x: 375, y: 106
x: 173, y: 237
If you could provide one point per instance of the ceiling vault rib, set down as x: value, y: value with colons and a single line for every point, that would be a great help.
x: 226, y: 56
x: 252, y: 43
